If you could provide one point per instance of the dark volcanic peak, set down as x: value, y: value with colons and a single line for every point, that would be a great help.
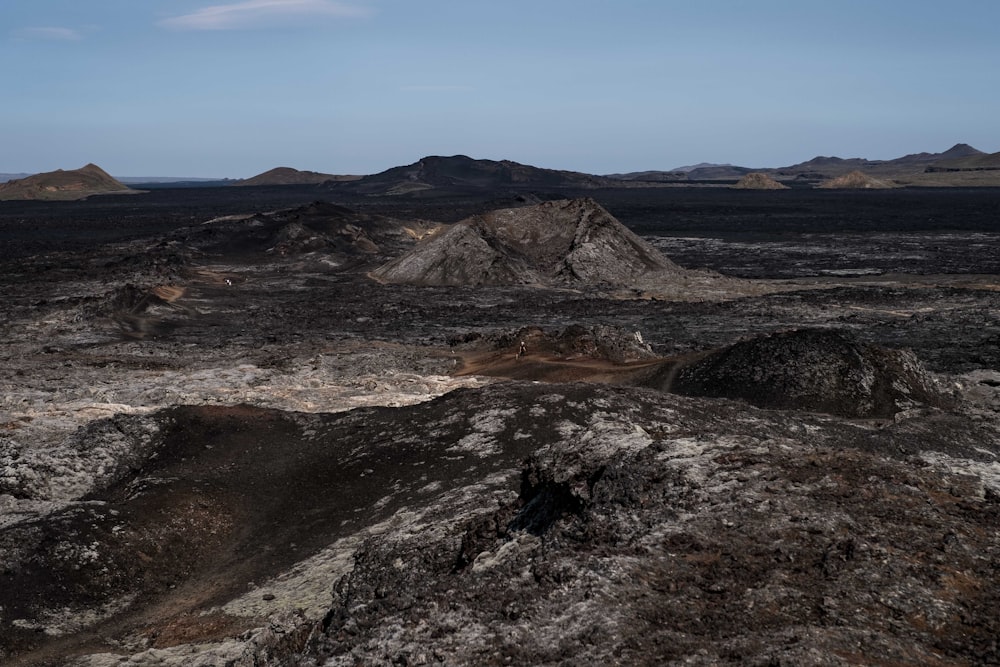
x: 959, y: 150
x: 463, y: 172
x: 60, y: 184
x: 563, y: 242
x: 290, y: 176
x: 955, y: 152
x: 811, y: 369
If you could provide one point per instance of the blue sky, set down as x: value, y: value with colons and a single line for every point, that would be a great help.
x: 231, y: 88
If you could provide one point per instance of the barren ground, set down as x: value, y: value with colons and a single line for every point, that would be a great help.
x: 216, y: 450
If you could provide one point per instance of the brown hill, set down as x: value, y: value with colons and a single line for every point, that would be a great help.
x: 855, y: 180
x: 60, y: 184
x: 290, y: 176
x: 758, y: 181
x: 562, y: 242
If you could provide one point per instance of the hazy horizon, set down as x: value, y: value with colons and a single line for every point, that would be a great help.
x: 232, y: 88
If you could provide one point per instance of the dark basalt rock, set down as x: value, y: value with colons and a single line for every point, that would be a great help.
x: 821, y: 370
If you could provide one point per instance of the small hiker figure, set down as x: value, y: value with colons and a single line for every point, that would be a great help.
x: 522, y: 350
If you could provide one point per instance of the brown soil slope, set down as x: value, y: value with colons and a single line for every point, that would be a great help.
x: 855, y: 180
x: 758, y: 181
x: 59, y: 184
x: 561, y: 242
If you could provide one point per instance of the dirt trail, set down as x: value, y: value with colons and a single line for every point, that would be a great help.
x: 544, y: 367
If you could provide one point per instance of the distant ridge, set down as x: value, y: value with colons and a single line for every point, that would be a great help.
x: 13, y: 177
x: 956, y: 152
x: 975, y: 162
x: 64, y: 185
x: 290, y: 176
x: 460, y: 172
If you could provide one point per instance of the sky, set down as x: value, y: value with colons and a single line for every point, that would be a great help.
x: 232, y: 88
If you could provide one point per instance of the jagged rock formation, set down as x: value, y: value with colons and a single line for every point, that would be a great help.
x: 560, y: 242
x: 855, y: 180
x: 821, y: 370
x: 60, y: 184
x: 290, y: 176
x: 758, y: 181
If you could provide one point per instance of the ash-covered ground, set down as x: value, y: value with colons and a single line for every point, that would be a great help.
x: 221, y: 442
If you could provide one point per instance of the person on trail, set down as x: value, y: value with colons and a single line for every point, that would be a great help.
x: 522, y: 350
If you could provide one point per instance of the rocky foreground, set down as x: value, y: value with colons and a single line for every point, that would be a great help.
x: 227, y: 446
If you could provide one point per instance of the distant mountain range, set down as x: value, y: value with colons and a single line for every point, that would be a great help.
x: 906, y: 170
x: 12, y: 177
x: 960, y: 165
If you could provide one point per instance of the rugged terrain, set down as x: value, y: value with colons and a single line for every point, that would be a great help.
x: 221, y: 442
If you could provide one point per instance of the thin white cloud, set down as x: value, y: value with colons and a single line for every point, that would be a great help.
x: 436, y: 89
x: 262, y: 13
x: 51, y: 33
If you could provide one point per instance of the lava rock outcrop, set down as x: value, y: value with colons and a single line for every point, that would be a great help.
x: 559, y: 242
x: 822, y: 370
x: 523, y: 523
